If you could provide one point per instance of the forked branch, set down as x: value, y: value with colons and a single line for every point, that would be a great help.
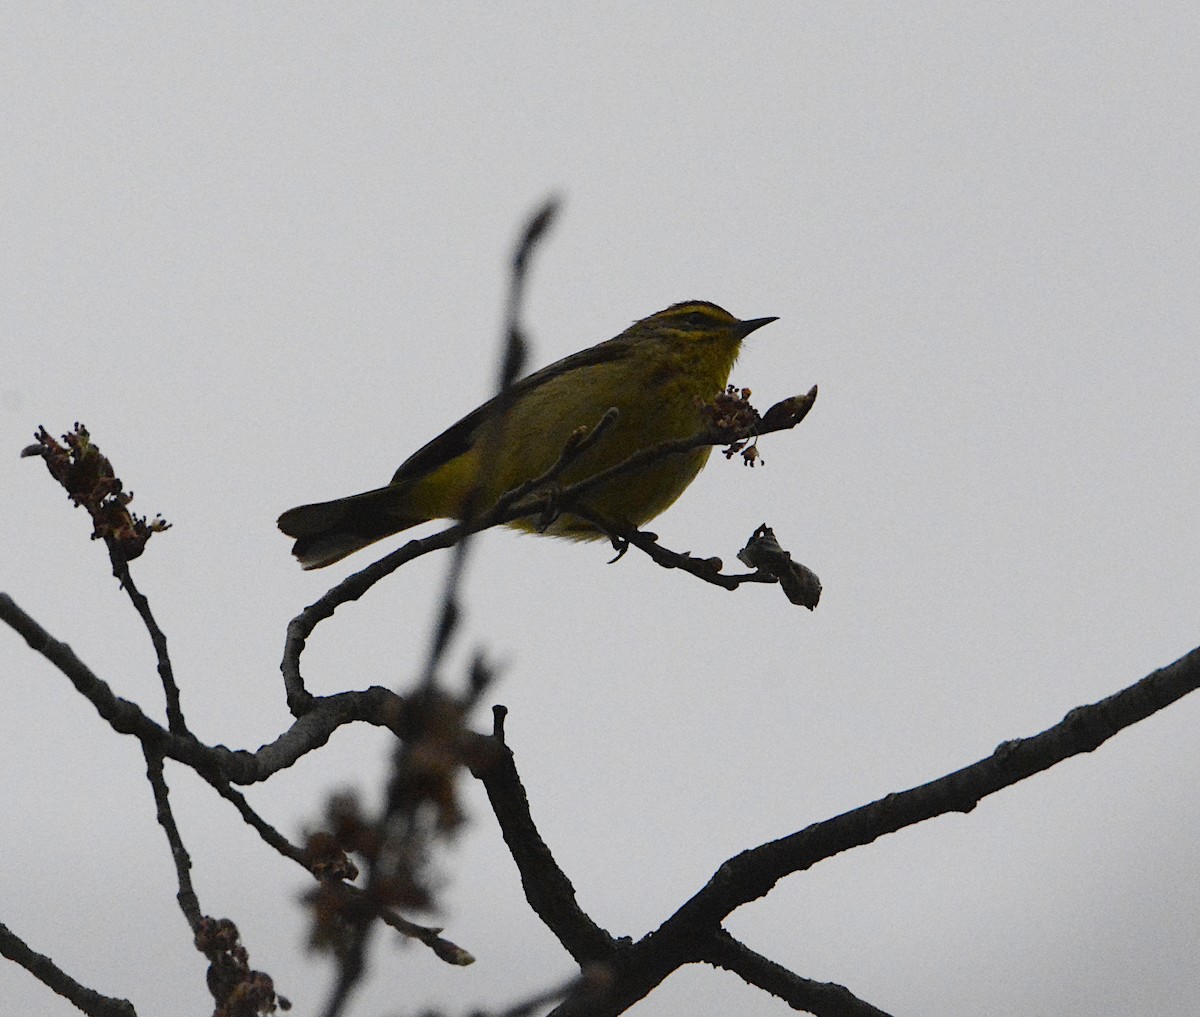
x: 695, y: 932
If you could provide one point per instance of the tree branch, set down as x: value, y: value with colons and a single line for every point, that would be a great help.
x: 823, y: 999
x: 687, y: 936
x: 772, y: 563
x: 166, y: 673
x: 751, y: 874
x: 53, y: 977
x: 375, y: 705
x: 189, y: 903
x: 547, y: 888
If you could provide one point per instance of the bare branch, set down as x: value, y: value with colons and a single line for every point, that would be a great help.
x: 375, y: 705
x: 688, y: 935
x: 92, y: 484
x: 421, y: 797
x: 751, y: 874
x: 189, y: 904
x: 516, y: 346
x: 326, y: 714
x: 299, y: 699
x: 53, y: 977
x: 731, y: 436
x: 121, y: 714
x: 166, y: 673
x: 823, y: 999
x: 547, y: 888
x: 708, y: 569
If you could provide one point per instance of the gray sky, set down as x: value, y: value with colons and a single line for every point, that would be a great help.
x: 261, y: 250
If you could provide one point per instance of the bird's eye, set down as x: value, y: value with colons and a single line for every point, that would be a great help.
x: 697, y: 319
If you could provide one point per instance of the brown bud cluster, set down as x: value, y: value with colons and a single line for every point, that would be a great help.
x: 237, y: 990
x: 731, y: 411
x: 90, y: 482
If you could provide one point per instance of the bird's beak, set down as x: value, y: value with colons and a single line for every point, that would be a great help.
x: 746, y: 327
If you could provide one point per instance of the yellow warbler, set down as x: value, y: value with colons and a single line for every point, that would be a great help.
x: 658, y: 374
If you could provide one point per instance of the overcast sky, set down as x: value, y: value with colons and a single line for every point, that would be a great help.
x: 260, y: 250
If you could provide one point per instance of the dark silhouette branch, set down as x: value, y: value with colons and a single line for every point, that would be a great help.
x: 751, y: 874
x: 823, y: 999
x: 53, y: 977
x: 121, y: 714
x: 376, y: 705
x: 265, y: 830
x: 772, y: 566
x: 547, y: 888
x: 189, y: 903
x: 221, y: 766
x: 166, y: 673
x: 781, y: 420
x: 434, y: 743
x: 694, y: 933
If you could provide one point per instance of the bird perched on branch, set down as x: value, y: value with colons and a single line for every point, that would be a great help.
x: 658, y: 375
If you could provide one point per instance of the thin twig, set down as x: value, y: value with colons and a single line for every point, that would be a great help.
x: 708, y: 569
x: 779, y: 421
x: 120, y: 567
x: 189, y: 904
x: 822, y: 999
x: 515, y: 355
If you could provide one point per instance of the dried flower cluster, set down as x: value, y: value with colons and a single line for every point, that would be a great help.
x: 88, y: 478
x: 731, y: 411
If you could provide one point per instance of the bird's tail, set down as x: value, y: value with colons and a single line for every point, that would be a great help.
x: 327, y: 531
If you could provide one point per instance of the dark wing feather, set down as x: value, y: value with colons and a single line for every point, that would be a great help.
x: 459, y: 438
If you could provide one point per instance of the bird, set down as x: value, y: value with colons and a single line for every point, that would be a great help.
x: 658, y: 375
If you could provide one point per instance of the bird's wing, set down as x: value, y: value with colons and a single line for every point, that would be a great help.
x: 460, y: 438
